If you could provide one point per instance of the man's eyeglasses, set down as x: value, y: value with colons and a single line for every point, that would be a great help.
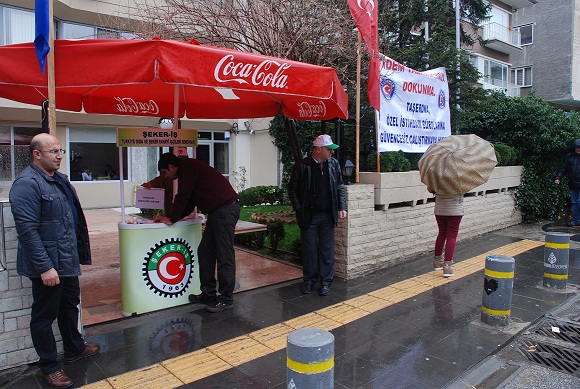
x: 53, y: 152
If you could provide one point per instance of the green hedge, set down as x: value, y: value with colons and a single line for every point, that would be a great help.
x: 391, y: 161
x: 397, y: 161
x: 261, y: 195
x: 506, y: 155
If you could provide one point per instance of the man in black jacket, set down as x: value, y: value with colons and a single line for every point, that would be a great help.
x: 316, y: 192
x: 571, y: 167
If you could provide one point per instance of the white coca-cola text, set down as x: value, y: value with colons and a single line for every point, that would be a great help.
x: 268, y: 73
x: 307, y: 110
x: 129, y: 105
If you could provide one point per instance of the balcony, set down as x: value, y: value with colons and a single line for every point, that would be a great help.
x: 515, y: 4
x: 502, y: 38
x: 509, y: 89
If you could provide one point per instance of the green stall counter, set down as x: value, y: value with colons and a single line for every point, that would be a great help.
x: 159, y: 266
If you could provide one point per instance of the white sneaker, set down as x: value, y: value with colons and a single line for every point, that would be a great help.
x: 447, y: 270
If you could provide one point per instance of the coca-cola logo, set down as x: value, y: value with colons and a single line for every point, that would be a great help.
x: 268, y: 73
x: 307, y: 110
x: 128, y: 105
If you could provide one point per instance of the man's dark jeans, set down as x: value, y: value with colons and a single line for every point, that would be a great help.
x: 318, y: 249
x: 217, y: 246
x: 55, y: 302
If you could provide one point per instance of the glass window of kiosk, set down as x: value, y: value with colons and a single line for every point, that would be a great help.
x: 214, y: 149
x: 14, y: 153
x: 93, y: 154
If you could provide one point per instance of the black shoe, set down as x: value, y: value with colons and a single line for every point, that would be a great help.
x: 219, y: 307
x: 202, y: 298
x: 306, y: 288
x: 325, y: 290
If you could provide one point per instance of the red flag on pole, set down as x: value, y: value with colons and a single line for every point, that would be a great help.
x: 374, y: 82
x: 365, y: 15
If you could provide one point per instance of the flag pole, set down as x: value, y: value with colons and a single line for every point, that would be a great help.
x: 50, y: 70
x: 357, y: 118
x: 377, y: 144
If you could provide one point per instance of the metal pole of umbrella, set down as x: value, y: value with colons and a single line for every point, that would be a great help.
x: 121, y: 178
x: 175, y: 125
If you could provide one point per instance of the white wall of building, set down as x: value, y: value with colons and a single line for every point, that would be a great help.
x: 576, y: 50
x: 252, y: 150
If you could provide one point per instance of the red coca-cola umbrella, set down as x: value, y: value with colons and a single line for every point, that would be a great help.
x: 161, y: 78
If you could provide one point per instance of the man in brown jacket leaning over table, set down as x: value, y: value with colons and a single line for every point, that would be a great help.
x: 204, y: 187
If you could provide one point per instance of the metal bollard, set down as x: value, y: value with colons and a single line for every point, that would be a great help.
x: 497, y: 288
x: 310, y: 359
x: 556, y: 260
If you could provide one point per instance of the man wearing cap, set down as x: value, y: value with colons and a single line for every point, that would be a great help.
x: 316, y: 192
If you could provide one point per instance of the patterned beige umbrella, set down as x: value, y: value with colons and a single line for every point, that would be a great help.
x: 457, y: 164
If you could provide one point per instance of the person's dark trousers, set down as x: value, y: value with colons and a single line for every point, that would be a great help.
x: 55, y: 302
x: 217, y: 246
x: 575, y: 197
x: 318, y: 249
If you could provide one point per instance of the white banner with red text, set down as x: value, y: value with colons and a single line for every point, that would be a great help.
x: 414, y: 107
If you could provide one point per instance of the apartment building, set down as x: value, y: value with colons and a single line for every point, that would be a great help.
x: 90, y: 140
x: 549, y: 63
x: 503, y: 40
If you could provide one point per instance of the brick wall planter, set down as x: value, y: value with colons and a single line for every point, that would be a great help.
x: 407, y: 188
x: 391, y: 218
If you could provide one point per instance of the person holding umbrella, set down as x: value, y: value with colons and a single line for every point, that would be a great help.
x: 571, y: 167
x: 448, y: 213
x: 450, y: 168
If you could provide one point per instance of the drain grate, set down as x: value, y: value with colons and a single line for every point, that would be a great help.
x: 563, y: 330
x: 556, y: 357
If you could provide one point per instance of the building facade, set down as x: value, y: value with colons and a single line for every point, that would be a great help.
x: 241, y: 149
x: 549, y: 63
x: 502, y: 41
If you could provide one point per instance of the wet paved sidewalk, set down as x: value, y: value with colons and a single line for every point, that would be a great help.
x: 402, y: 327
x: 101, y: 282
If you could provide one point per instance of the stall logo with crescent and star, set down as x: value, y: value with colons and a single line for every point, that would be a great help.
x: 168, y: 267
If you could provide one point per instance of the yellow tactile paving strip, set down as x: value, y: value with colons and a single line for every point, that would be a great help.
x: 222, y: 356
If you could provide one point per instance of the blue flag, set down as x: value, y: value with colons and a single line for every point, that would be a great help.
x: 42, y: 30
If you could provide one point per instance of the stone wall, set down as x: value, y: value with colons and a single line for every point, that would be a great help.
x: 15, y: 302
x: 379, y: 232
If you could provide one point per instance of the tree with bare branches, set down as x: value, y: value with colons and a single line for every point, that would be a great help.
x: 319, y: 32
